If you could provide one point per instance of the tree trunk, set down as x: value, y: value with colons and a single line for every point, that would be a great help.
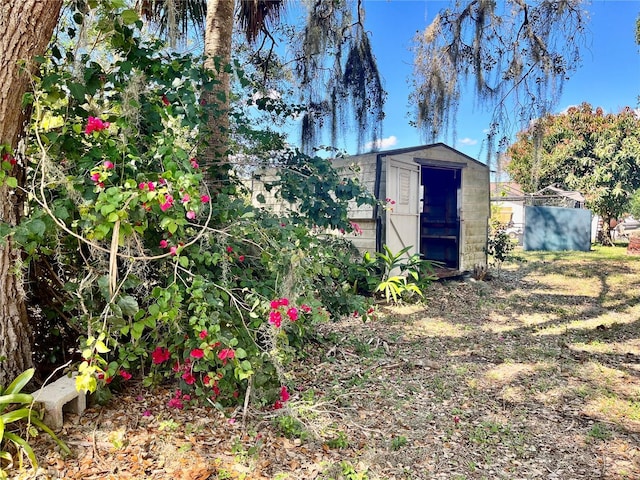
x: 26, y: 26
x: 217, y: 51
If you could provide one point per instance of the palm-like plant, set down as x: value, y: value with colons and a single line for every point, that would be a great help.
x: 17, y: 408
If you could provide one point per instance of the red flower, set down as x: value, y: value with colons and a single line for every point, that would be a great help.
x: 305, y: 308
x: 275, y: 304
x: 94, y: 124
x: 160, y: 355
x: 275, y: 318
x: 293, y: 314
x: 176, y: 403
x: 241, y: 258
x: 197, y: 352
x: 124, y: 374
x: 284, y: 302
x: 189, y: 378
x: 203, y: 334
x: 229, y: 249
x: 164, y: 243
x: 205, y: 198
x: 226, y: 354
x: 7, y: 157
x: 277, y: 405
x: 165, y: 100
x: 284, y: 394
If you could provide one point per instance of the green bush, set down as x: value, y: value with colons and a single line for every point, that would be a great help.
x: 171, y: 281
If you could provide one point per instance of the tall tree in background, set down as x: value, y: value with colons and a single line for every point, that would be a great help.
x: 517, y: 52
x: 583, y: 149
x: 335, y: 69
x: 27, y: 26
x: 215, y: 19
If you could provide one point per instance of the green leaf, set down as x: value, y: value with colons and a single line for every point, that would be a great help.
x: 129, y: 17
x: 77, y: 90
x: 129, y: 305
x: 37, y: 227
x: 22, y: 443
x: 19, y: 382
x: 101, y: 347
x: 12, y: 182
x: 184, y: 262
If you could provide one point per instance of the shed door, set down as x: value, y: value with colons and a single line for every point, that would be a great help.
x: 403, y: 217
x: 440, y: 217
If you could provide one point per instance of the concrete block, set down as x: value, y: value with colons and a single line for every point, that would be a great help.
x: 60, y: 396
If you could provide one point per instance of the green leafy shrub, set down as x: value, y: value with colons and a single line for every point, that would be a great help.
x: 16, y: 416
x: 401, y: 276
x: 499, y: 244
x: 170, y: 280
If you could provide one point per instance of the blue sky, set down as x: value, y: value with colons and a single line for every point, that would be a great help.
x: 609, y: 76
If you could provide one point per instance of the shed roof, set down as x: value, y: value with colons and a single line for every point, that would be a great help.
x: 399, y: 151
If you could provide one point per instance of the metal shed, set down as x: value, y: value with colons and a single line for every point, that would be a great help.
x: 436, y: 201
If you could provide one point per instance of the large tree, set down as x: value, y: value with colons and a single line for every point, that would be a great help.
x: 583, y: 149
x: 26, y: 26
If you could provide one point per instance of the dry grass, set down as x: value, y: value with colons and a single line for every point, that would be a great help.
x: 532, y: 375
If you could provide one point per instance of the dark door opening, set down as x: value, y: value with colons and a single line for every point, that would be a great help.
x: 440, y: 215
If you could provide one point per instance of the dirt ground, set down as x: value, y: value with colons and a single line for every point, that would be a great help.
x: 534, y: 374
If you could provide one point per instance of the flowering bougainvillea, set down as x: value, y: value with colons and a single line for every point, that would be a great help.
x: 187, y: 270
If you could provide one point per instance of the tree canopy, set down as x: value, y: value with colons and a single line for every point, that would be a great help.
x: 584, y: 149
x: 516, y: 53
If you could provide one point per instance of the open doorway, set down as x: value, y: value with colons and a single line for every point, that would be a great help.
x: 440, y: 215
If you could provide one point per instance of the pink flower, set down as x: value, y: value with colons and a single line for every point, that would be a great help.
x: 142, y: 186
x: 160, y: 355
x: 94, y: 124
x: 197, y: 352
x: 305, y: 308
x: 356, y: 228
x: 229, y: 249
x: 191, y: 214
x: 185, y: 198
x: 175, y: 403
x: 205, y: 198
x: 203, y: 334
x: 173, y: 250
x: 275, y: 304
x: 284, y: 394
x: 95, y: 177
x: 241, y: 258
x: 168, y: 203
x: 275, y: 318
x: 108, y: 165
x: 194, y: 163
x: 164, y: 243
x: 124, y: 374
x: 189, y: 378
x: 226, y: 354
x: 284, y: 302
x: 151, y: 186
x: 293, y: 314
x: 146, y: 413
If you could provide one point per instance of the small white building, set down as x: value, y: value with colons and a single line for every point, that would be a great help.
x: 434, y: 198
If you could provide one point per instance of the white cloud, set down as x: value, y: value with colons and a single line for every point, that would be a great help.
x: 467, y: 141
x: 382, y: 143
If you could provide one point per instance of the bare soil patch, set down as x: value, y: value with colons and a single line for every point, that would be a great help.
x: 534, y: 374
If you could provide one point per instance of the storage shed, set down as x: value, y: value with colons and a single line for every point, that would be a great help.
x: 436, y: 201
